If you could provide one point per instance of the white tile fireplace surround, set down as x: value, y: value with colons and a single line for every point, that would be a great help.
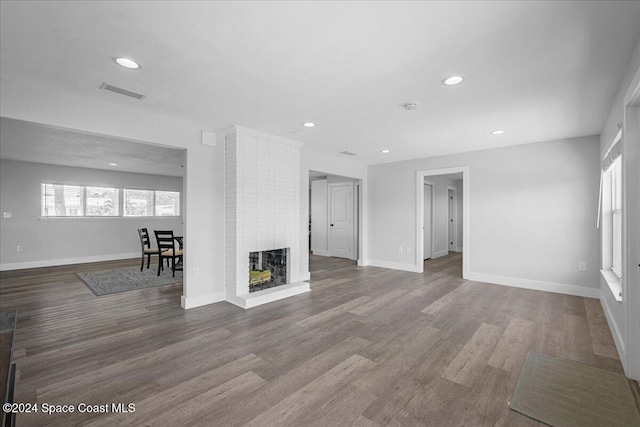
x: 262, y: 190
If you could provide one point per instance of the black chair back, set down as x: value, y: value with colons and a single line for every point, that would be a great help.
x: 165, y: 240
x: 144, y: 238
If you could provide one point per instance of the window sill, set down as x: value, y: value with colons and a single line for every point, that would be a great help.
x: 614, y: 282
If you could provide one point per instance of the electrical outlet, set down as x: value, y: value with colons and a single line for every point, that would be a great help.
x: 408, y: 249
x: 196, y: 272
x: 582, y: 266
x: 19, y: 248
x: 400, y: 249
x: 7, y: 215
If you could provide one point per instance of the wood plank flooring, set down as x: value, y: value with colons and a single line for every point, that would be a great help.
x: 366, y: 347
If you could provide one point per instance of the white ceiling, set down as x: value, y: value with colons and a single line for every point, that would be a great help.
x: 539, y: 70
x: 30, y: 142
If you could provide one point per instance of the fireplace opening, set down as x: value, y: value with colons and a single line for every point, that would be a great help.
x: 268, y: 269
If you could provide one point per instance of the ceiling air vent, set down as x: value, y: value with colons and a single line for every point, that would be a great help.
x: 348, y: 153
x: 107, y: 86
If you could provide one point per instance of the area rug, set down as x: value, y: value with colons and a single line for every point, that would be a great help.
x: 563, y: 393
x: 104, y: 282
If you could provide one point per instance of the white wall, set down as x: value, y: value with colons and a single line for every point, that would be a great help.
x: 51, y: 241
x: 532, y: 213
x: 108, y: 114
x: 319, y: 217
x: 622, y: 316
x: 331, y: 164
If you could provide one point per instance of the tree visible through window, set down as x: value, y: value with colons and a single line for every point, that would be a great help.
x: 103, y: 201
x: 138, y: 202
x: 62, y: 200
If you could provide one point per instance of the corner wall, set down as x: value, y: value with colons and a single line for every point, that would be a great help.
x: 56, y: 241
x: 532, y: 213
x: 111, y: 115
x: 623, y: 317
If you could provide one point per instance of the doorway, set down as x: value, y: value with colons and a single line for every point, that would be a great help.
x: 334, y: 215
x: 451, y: 216
x: 427, y: 227
x: 449, y: 202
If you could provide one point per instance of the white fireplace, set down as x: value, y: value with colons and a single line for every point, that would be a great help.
x: 262, y: 188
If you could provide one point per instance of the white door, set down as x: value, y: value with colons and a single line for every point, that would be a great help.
x: 427, y: 226
x: 452, y: 224
x: 341, y: 220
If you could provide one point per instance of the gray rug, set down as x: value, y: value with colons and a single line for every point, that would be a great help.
x: 563, y: 393
x: 104, y: 282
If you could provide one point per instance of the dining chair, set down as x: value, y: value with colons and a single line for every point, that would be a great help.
x: 145, y: 245
x: 167, y: 247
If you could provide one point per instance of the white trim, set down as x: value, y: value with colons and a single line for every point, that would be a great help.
x: 303, y: 277
x: 269, y: 295
x: 68, y: 261
x: 321, y: 253
x: 201, y: 300
x: 614, y: 283
x: 613, y: 326
x: 466, y: 215
x: 538, y: 285
x: 258, y: 134
x: 393, y: 265
x: 458, y: 249
x: 363, y: 262
x: 440, y: 254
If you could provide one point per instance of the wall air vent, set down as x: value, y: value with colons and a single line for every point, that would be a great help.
x: 119, y: 90
x: 348, y: 153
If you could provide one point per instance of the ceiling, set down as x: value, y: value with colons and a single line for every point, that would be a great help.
x: 30, y: 142
x: 538, y: 70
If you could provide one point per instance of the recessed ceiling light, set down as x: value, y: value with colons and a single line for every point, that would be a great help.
x: 113, y: 164
x: 127, y: 63
x: 497, y: 132
x: 453, y: 80
x: 385, y: 151
x: 308, y: 124
x: 411, y: 106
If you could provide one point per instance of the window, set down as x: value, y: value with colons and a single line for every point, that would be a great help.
x: 611, y: 198
x: 138, y: 202
x: 102, y: 201
x: 167, y: 203
x: 62, y: 200
x: 616, y: 216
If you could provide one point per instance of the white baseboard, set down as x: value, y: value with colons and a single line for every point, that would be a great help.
x: 201, y: 300
x: 613, y: 326
x: 459, y: 249
x: 304, y: 277
x: 363, y: 262
x: 559, y: 288
x: 67, y: 261
x: 439, y: 254
x: 321, y: 253
x: 269, y: 295
x: 393, y: 265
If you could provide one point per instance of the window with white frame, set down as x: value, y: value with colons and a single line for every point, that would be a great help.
x: 616, y: 216
x: 611, y: 197
x: 62, y: 200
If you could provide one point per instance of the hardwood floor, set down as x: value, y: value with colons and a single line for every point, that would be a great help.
x: 367, y: 346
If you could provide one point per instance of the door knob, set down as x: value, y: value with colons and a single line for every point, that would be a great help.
x: 332, y: 225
